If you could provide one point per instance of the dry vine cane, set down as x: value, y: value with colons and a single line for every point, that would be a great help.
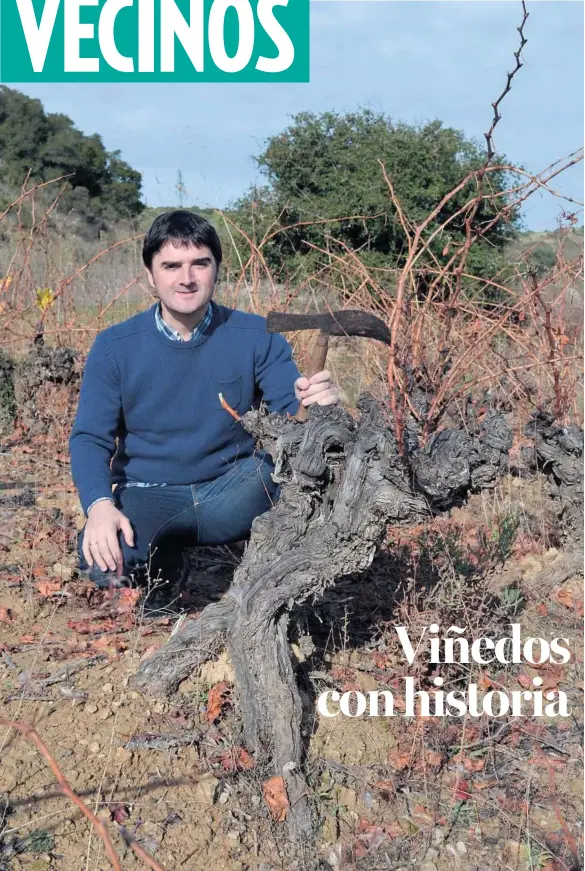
x: 32, y: 735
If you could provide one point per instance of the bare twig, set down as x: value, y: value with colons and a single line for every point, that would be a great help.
x: 30, y: 733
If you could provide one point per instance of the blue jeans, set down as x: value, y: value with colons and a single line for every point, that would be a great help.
x: 168, y: 519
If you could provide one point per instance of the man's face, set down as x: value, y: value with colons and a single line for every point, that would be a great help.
x: 184, y: 277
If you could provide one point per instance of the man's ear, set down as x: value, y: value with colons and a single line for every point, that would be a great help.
x: 149, y: 276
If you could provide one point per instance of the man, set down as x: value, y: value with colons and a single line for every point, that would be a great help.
x: 185, y: 471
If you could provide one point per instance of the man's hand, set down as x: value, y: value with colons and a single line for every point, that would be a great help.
x: 320, y: 389
x: 100, y: 538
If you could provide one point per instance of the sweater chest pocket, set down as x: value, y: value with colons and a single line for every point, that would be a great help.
x: 230, y: 389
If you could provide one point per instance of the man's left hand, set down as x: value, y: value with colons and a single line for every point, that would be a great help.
x: 320, y: 389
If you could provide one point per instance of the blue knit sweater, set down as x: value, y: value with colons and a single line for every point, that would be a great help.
x: 159, y: 398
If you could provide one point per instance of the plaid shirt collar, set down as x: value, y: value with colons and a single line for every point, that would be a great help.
x: 171, y: 333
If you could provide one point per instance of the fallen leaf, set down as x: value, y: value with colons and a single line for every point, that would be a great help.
x: 216, y: 699
x: 119, y: 813
x: 5, y: 615
x: 570, y: 596
x: 360, y: 849
x: 473, y: 764
x: 422, y: 816
x: 462, y: 790
x: 483, y: 784
x: 127, y: 599
x: 433, y: 758
x: 386, y: 787
x: 542, y: 760
x: 552, y: 677
x: 484, y: 682
x: 349, y: 686
x: 525, y: 681
x: 393, y: 830
x: 399, y: 759
x: 110, y: 644
x: 48, y: 588
x: 237, y: 759
x: 125, y: 622
x: 150, y: 651
x: 381, y: 660
x: 85, y: 627
x: 371, y: 837
x: 274, y: 792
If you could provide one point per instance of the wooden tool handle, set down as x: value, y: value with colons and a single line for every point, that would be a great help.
x: 316, y: 364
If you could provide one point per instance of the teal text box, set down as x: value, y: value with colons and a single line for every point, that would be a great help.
x: 294, y: 19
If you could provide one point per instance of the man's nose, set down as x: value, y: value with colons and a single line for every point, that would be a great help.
x: 187, y: 275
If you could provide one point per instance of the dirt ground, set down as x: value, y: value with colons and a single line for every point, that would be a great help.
x: 427, y: 793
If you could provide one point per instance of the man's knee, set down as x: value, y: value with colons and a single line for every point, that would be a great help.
x: 228, y: 507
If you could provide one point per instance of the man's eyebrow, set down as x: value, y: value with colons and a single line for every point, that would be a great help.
x: 198, y: 260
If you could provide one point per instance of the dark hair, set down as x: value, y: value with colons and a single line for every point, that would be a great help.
x: 184, y: 228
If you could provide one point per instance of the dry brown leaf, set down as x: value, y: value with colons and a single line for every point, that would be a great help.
x: 274, y: 792
x: 127, y: 599
x: 484, y: 682
x: 473, y: 764
x: 484, y: 784
x: 150, y: 651
x: 552, y: 677
x: 570, y: 596
x: 119, y: 813
x: 237, y: 759
x: 216, y: 699
x: 422, y: 816
x: 399, y: 760
x: 48, y: 588
x: 86, y: 627
x: 461, y: 791
x: 382, y: 660
x: 433, y: 758
x: 5, y: 615
x: 110, y: 644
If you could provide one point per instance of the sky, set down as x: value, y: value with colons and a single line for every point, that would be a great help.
x: 414, y: 61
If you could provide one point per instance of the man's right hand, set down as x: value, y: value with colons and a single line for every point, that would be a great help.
x: 100, y: 537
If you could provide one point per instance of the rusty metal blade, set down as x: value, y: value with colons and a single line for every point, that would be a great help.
x: 350, y: 322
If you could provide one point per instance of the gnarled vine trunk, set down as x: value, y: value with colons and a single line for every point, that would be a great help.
x: 343, y: 482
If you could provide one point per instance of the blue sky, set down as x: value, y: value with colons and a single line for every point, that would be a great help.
x: 414, y: 61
